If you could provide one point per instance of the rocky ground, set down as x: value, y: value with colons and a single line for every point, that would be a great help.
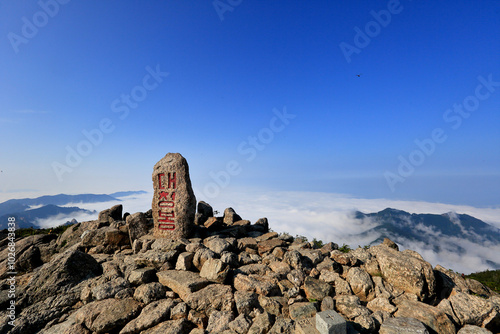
x: 112, y: 276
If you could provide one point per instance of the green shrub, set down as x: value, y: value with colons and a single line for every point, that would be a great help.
x: 490, y: 278
x: 345, y: 248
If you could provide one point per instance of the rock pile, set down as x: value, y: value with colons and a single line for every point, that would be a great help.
x: 230, y: 277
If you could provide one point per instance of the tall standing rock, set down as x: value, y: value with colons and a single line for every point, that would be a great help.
x: 174, y: 203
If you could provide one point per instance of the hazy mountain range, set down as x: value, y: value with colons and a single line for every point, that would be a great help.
x: 452, y: 233
x: 28, y: 211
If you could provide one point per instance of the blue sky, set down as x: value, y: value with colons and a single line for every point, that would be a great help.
x: 234, y: 70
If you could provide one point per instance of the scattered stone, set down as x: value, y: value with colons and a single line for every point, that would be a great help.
x: 109, y: 289
x: 255, y: 283
x: 202, y: 255
x: 213, y: 297
x: 381, y: 304
x: 350, y: 306
x: 245, y: 301
x: 150, y: 292
x: 219, y: 321
x: 180, y: 311
x: 182, y: 282
x: 214, y: 270
x: 240, y: 325
x: 184, y: 261
x: 268, y: 245
x: 199, y: 319
x: 217, y: 244
x: 302, y: 310
x: 316, y: 290
x: 174, y: 203
x: 402, y: 325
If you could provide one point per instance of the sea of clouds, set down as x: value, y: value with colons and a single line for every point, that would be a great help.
x: 327, y: 217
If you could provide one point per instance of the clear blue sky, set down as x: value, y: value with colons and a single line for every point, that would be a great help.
x: 69, y: 68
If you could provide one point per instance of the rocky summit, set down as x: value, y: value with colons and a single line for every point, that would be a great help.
x: 228, y: 276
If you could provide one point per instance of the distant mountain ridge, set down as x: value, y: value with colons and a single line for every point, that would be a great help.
x: 444, y: 232
x: 26, y: 219
x: 51, y: 206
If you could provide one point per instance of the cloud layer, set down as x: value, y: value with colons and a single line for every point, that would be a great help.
x: 328, y: 217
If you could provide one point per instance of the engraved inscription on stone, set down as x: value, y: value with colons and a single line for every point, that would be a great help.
x: 174, y: 203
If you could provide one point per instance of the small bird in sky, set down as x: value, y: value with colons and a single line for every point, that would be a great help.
x: 359, y: 75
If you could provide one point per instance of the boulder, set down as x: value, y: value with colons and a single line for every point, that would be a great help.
x: 181, y: 326
x: 137, y: 224
x: 381, y: 304
x: 402, y: 325
x: 142, y: 276
x: 350, y: 307
x: 182, y: 282
x: 29, y: 244
x: 150, y: 292
x: 215, y: 297
x: 245, y: 301
x: 474, y: 310
x: 230, y: 216
x: 240, y: 325
x: 109, y: 289
x: 268, y: 245
x: 184, y: 261
x: 302, y: 310
x: 219, y: 321
x: 261, y: 285
x: 151, y: 315
x: 270, y: 304
x: 261, y: 324
x: 180, y: 311
x: 62, y: 273
x: 214, y: 270
x: 341, y: 286
x: 471, y: 329
x: 431, y: 316
x: 361, y: 284
x: 346, y: 259
x: 217, y: 244
x: 282, y: 325
x: 107, y: 315
x: 205, y: 211
x: 316, y: 289
x: 202, y: 255
x: 406, y: 271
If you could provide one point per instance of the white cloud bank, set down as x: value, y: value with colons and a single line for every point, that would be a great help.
x: 327, y: 217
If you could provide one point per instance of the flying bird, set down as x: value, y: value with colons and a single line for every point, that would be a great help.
x: 359, y: 75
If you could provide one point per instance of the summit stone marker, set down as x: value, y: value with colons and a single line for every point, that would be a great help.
x: 174, y: 203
